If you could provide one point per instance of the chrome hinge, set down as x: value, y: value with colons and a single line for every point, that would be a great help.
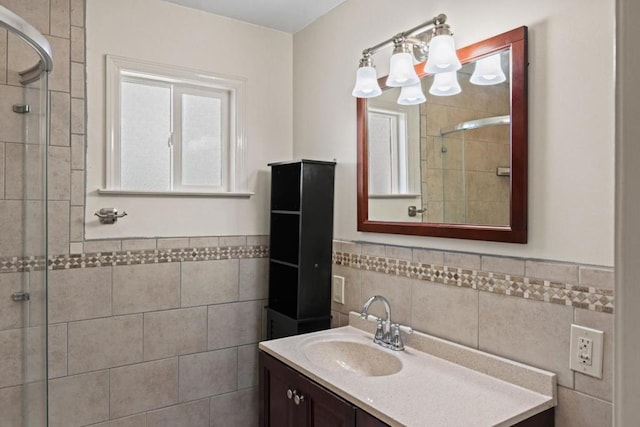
x: 20, y: 296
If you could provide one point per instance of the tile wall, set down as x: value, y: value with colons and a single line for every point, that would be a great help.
x: 517, y: 308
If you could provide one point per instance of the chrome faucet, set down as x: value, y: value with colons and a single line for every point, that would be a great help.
x: 387, y: 333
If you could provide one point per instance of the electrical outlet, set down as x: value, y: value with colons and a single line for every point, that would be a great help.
x: 338, y: 289
x: 586, y: 350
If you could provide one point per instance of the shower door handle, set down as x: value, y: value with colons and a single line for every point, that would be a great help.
x: 20, y: 296
x: 413, y: 211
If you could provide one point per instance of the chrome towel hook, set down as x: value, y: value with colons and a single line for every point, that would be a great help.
x: 109, y: 215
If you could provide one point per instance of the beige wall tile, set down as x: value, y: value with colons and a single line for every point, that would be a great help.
x: 11, y: 357
x: 58, y: 227
x: 76, y: 248
x: 601, y: 388
x: 2, y: 156
x: 24, y: 165
x: 335, y: 319
x: 77, y: 151
x: 460, y: 260
x: 104, y: 343
x: 234, y: 324
x: 503, y: 265
x: 426, y: 256
x: 532, y: 332
x: 140, y: 288
x: 10, y: 125
x: 447, y: 312
x: 397, y: 291
x: 260, y: 240
x: 11, y: 406
x: 77, y: 116
x: 138, y: 244
x: 38, y: 292
x: 3, y: 56
x: 597, y: 277
x: 139, y: 420
x: 35, y: 357
x: 353, y: 298
x: 579, y: 410
x: 77, y: 44
x: 11, y: 228
x: 192, y: 414
x: 373, y: 249
x: 398, y: 252
x: 248, y: 366
x: 20, y: 57
x: 59, y: 173
x: 102, y: 246
x: 254, y: 279
x: 173, y: 243
x: 175, y: 332
x: 77, y: 188
x: 209, y: 282
x: 60, y: 118
x: 203, y: 242
x: 60, y: 17
x: 142, y: 387
x: 10, y: 311
x: 208, y: 374
x: 235, y: 409
x: 76, y: 225
x: 77, y: 80
x: 57, y: 350
x: 77, y: 13
x: 351, y: 247
x: 79, y: 294
x: 558, y: 272
x: 35, y: 12
x: 233, y: 240
x: 79, y: 400
x: 59, y: 79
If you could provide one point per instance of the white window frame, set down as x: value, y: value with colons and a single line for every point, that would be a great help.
x: 398, y: 154
x: 120, y: 68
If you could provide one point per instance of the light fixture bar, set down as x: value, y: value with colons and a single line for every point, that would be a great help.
x: 438, y: 20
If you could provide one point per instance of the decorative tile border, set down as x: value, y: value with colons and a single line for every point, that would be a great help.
x: 586, y: 297
x: 155, y: 256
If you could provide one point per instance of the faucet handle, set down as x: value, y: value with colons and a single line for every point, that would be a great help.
x: 379, y: 336
x: 396, y: 337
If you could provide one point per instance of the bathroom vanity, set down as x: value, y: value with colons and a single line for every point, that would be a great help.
x: 339, y: 377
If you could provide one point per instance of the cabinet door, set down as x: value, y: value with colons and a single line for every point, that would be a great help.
x: 277, y: 386
x: 325, y: 409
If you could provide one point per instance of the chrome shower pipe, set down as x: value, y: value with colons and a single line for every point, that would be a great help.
x: 21, y: 28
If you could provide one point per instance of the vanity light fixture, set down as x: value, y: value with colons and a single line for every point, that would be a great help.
x: 411, y: 95
x: 431, y: 40
x: 488, y: 71
x: 445, y: 84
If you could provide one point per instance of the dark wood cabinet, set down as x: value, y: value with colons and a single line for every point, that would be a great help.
x: 300, y: 247
x: 289, y: 399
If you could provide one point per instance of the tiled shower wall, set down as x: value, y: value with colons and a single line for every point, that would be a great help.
x: 149, y: 332
x: 518, y: 308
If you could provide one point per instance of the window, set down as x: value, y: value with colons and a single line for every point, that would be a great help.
x: 387, y: 131
x: 173, y: 130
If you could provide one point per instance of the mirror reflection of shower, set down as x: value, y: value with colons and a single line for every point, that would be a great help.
x: 475, y: 172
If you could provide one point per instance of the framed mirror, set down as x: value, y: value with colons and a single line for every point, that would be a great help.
x: 454, y: 166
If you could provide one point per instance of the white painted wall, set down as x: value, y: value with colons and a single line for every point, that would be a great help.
x: 162, y: 32
x: 571, y: 112
x: 627, y: 372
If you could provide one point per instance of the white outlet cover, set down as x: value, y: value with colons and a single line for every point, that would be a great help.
x: 597, y: 340
x: 338, y: 289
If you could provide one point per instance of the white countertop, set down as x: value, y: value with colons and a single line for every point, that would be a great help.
x: 429, y: 390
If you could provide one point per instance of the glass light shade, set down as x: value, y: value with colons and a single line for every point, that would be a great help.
x: 442, y: 55
x: 366, y: 83
x: 411, y: 95
x: 401, y: 71
x: 445, y: 84
x: 488, y: 71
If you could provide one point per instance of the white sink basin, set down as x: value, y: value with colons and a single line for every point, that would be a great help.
x: 353, y: 357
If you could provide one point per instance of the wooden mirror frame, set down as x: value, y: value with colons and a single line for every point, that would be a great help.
x: 516, y: 231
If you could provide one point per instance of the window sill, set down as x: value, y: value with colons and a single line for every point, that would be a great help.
x: 395, y: 196
x: 235, y: 195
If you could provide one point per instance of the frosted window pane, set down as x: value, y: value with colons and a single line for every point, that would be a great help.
x: 145, y: 129
x: 201, y: 141
x: 380, y: 143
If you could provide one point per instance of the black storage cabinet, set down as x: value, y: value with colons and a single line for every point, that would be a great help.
x: 300, y: 247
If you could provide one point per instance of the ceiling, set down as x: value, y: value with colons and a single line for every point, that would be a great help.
x: 284, y: 15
